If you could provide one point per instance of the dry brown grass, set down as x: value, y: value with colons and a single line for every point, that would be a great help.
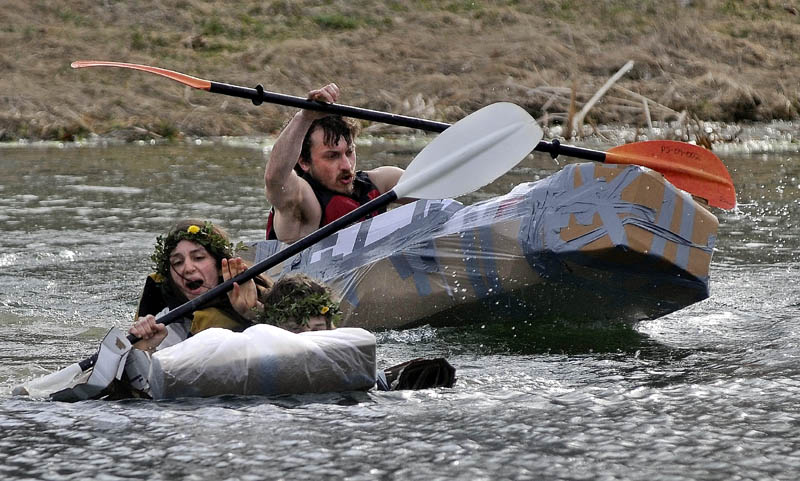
x: 715, y: 59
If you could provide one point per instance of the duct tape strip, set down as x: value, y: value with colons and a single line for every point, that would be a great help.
x: 663, y: 222
x: 687, y: 228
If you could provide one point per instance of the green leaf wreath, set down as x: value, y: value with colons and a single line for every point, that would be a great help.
x: 204, y: 235
x: 298, y: 307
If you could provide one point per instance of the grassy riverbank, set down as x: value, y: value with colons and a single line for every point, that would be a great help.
x: 718, y: 60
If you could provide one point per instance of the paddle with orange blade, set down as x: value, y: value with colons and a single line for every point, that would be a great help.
x: 689, y: 167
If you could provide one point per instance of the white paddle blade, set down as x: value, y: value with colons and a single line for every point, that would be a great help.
x: 471, y: 153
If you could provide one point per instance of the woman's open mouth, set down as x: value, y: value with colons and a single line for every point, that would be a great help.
x: 192, y: 285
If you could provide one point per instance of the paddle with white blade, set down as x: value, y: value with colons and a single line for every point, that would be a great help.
x: 470, y: 154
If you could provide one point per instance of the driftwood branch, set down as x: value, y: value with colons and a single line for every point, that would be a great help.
x: 577, y: 121
x: 624, y: 104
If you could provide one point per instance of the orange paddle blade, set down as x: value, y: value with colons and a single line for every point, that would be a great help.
x: 194, y: 82
x: 689, y: 167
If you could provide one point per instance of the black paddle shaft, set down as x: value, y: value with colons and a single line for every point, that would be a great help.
x: 266, y: 264
x: 258, y: 95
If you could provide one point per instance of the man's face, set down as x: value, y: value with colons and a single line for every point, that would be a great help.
x: 333, y: 166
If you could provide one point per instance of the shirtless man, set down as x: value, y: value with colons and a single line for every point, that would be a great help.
x: 311, y: 178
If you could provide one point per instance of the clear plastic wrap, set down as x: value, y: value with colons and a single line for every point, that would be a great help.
x: 264, y: 360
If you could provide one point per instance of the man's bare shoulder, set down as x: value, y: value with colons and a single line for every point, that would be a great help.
x: 298, y: 214
x: 286, y: 192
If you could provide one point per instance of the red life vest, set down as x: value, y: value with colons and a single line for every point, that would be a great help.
x: 335, y: 204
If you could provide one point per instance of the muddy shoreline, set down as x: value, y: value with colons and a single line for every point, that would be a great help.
x: 693, y: 62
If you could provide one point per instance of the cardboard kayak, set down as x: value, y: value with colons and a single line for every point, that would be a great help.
x: 593, y: 242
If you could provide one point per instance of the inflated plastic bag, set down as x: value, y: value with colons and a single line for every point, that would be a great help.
x: 264, y: 360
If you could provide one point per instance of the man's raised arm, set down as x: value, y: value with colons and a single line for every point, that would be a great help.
x: 283, y: 188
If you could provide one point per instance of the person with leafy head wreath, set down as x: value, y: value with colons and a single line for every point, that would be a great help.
x: 298, y: 303
x: 191, y: 259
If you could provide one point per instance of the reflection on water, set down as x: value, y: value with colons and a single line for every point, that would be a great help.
x: 708, y: 392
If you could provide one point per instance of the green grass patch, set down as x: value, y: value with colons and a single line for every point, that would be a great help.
x: 397, y: 6
x: 138, y: 41
x: 463, y: 6
x: 67, y: 15
x: 165, y: 129
x: 336, y: 21
x: 565, y: 10
x: 213, y: 27
x: 151, y: 41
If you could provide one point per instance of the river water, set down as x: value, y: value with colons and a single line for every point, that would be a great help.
x: 708, y: 392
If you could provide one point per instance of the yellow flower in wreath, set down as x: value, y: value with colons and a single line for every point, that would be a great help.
x: 324, y: 310
x: 193, y: 229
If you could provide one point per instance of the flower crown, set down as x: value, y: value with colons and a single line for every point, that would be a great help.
x: 217, y: 245
x: 300, y: 306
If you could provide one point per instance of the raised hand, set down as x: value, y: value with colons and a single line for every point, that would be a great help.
x: 245, y: 297
x: 328, y: 93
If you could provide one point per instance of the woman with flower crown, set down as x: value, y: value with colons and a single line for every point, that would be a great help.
x: 192, y: 258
